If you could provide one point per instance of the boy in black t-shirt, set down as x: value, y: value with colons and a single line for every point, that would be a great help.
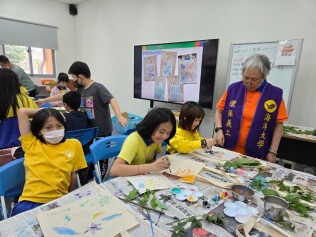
x: 75, y: 119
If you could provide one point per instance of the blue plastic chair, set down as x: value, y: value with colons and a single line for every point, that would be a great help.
x: 103, y: 149
x: 12, y: 179
x: 46, y: 105
x: 84, y: 136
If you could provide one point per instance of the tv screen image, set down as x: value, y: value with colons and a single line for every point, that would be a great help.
x: 176, y: 72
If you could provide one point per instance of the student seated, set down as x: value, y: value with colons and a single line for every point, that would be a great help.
x: 11, y: 99
x: 140, y: 148
x: 51, y: 161
x: 75, y: 119
x: 187, y: 137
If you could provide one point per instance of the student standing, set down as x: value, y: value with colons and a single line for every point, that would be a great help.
x: 138, y: 154
x: 187, y: 137
x: 23, y: 78
x: 250, y: 115
x: 95, y: 99
x: 60, y: 88
x: 51, y: 161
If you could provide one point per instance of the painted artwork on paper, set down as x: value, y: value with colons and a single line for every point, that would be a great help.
x: 154, y: 181
x: 150, y: 68
x: 182, y: 167
x: 187, y: 69
x: 104, y: 215
x: 168, y: 63
x: 175, y: 90
x: 218, y: 153
x: 160, y: 88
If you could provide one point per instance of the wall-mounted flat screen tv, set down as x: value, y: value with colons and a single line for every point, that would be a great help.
x: 176, y: 72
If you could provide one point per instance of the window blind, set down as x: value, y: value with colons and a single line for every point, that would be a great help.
x: 15, y: 32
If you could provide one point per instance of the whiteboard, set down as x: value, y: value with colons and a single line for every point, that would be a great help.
x: 282, y: 76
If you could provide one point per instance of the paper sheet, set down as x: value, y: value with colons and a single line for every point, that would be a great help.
x: 101, y: 214
x: 218, y: 153
x: 154, y: 181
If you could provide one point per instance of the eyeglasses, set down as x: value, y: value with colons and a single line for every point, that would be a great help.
x: 251, y: 79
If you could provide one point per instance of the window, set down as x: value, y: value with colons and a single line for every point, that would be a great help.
x: 36, y: 62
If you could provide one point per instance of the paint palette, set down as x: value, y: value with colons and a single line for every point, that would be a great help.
x: 240, y: 211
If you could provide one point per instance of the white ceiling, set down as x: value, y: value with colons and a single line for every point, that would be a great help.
x: 76, y: 2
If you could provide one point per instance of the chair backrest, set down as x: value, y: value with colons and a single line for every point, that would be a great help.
x: 46, y: 105
x: 12, y: 177
x: 83, y: 135
x: 106, y: 147
x: 9, y: 133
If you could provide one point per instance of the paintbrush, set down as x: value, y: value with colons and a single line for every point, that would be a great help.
x: 148, y: 208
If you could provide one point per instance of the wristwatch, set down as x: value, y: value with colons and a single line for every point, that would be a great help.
x: 203, y: 143
x: 218, y: 128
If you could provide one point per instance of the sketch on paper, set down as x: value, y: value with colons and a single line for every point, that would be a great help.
x: 187, y: 69
x: 175, y: 90
x: 104, y: 215
x: 150, y: 68
x: 218, y: 153
x: 159, y: 89
x: 168, y: 63
x: 154, y: 181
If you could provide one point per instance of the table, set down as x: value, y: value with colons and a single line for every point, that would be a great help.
x: 26, y: 224
x: 298, y: 148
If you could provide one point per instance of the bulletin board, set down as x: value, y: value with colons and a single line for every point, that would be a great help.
x: 284, y: 56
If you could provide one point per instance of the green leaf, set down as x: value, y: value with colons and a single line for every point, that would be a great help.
x: 160, y: 205
x: 268, y: 192
x: 153, y: 203
x: 132, y: 194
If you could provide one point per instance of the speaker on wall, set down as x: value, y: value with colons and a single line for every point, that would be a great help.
x: 73, y: 9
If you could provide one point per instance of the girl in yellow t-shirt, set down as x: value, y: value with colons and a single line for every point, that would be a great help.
x: 187, y: 137
x: 140, y: 148
x: 51, y: 160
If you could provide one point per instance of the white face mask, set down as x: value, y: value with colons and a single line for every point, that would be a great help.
x: 54, y: 137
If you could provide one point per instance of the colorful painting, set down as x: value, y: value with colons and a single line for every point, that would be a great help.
x: 150, y: 181
x: 182, y: 167
x: 159, y: 89
x: 150, y: 68
x: 187, y: 69
x: 175, y: 90
x: 100, y: 214
x: 168, y: 63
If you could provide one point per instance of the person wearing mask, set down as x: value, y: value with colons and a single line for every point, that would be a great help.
x: 95, y: 99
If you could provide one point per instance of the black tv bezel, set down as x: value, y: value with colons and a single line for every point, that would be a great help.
x: 208, y: 71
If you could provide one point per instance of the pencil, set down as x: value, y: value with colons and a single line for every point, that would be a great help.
x: 149, y: 208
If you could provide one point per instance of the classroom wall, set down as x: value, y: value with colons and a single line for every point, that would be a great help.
x: 106, y: 31
x: 47, y: 13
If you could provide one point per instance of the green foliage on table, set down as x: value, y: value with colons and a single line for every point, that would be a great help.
x: 183, y: 225
x: 143, y: 199
x: 259, y: 183
x: 294, y: 130
x: 294, y: 196
x: 242, y: 163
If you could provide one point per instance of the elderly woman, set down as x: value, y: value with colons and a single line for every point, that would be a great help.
x: 250, y: 115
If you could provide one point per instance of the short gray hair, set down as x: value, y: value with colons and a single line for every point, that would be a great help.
x: 259, y: 61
